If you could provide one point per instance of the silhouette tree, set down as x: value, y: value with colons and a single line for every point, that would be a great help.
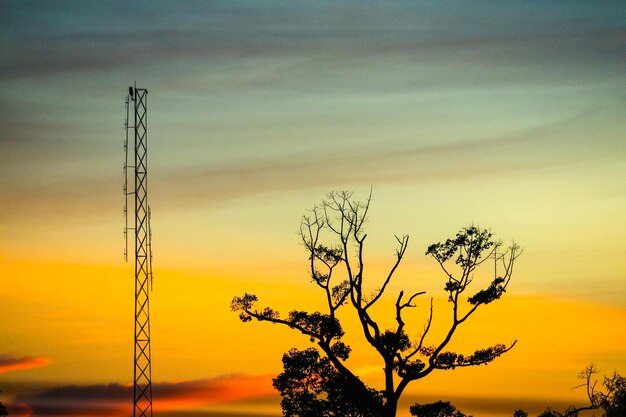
x: 612, y: 402
x: 338, y: 270
x: 3, y: 410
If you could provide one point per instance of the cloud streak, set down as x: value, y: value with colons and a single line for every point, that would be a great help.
x: 526, y: 150
x: 520, y: 152
x: 12, y: 363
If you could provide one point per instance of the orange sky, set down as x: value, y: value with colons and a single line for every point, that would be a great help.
x: 195, y: 336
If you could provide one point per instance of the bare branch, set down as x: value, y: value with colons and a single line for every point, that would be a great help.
x: 420, y: 344
x: 400, y: 307
x: 403, y: 244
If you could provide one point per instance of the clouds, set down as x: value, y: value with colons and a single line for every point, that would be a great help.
x: 115, y: 399
x: 43, y: 42
x: 182, y: 183
x: 218, y: 67
x: 13, y: 363
x: 204, y: 397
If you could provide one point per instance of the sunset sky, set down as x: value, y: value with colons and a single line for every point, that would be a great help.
x: 509, y: 115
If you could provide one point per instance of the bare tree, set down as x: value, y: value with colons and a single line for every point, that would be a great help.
x: 338, y: 269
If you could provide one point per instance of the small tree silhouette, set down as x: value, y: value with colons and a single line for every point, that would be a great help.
x: 3, y: 410
x: 612, y: 402
x: 326, y: 385
x: 437, y: 409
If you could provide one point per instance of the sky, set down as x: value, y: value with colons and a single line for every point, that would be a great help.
x: 508, y: 115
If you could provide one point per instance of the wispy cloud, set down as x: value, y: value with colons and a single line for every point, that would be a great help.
x: 341, y: 32
x: 12, y: 363
x: 516, y: 153
x: 523, y: 151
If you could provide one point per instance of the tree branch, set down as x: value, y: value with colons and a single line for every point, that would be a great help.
x: 403, y: 242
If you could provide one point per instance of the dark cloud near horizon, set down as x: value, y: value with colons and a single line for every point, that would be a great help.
x: 216, y: 414
x: 114, y: 399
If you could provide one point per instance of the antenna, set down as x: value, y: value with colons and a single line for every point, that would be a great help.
x: 142, y: 371
x: 126, y: 129
x: 150, y: 249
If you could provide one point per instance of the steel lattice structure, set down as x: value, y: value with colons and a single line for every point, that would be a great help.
x: 137, y: 99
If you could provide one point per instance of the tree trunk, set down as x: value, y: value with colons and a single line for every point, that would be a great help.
x: 391, y: 397
x: 391, y: 407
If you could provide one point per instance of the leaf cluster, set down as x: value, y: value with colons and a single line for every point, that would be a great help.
x: 451, y: 360
x: 493, y: 292
x: 317, y: 323
x: 470, y: 244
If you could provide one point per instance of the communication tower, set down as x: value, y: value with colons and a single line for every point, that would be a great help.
x: 136, y: 125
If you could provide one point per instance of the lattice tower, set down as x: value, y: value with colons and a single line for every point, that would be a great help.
x: 137, y: 124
